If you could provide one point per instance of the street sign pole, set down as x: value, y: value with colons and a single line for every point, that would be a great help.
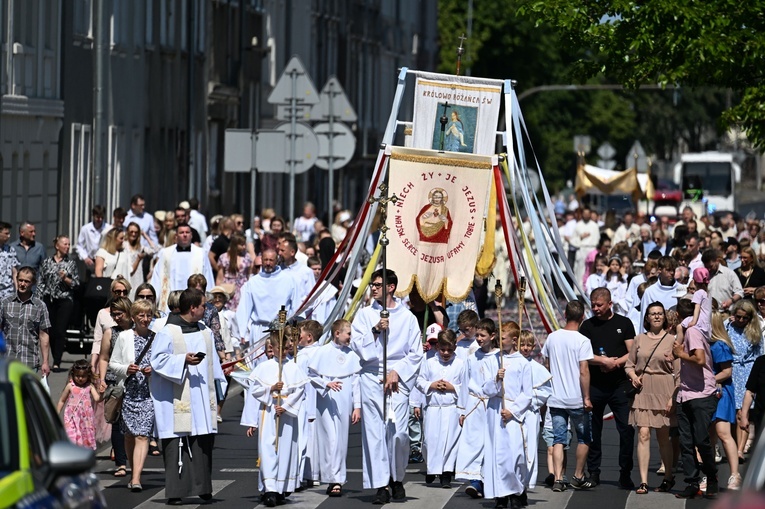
x: 331, y: 160
x: 293, y: 138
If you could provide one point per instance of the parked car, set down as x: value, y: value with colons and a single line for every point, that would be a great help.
x: 39, y: 466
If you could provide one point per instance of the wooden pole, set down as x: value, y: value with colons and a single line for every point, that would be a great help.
x: 278, y: 396
x: 498, y: 299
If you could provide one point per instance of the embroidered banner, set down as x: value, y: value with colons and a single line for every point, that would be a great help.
x: 456, y: 116
x: 435, y: 226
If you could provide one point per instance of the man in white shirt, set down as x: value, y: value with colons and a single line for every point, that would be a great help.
x: 138, y: 215
x: 303, y: 276
x: 628, y: 231
x: 89, y: 239
x: 567, y: 353
x: 304, y: 225
x: 724, y: 285
x: 197, y: 220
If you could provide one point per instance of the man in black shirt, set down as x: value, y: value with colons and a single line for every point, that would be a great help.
x: 611, y: 335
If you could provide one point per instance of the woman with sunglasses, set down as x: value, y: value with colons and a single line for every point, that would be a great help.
x: 751, y: 275
x: 745, y: 334
x: 120, y: 288
x: 119, y: 311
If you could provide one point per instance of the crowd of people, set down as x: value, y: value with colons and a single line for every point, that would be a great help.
x: 674, y: 344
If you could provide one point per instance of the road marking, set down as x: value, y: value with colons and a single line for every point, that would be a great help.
x: 419, y: 494
x: 544, y: 498
x: 651, y: 500
x: 307, y: 499
x: 255, y: 470
x: 217, y: 485
x: 105, y: 483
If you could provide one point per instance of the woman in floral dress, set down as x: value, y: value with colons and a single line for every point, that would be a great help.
x: 235, y: 267
x: 743, y: 329
x: 137, y: 419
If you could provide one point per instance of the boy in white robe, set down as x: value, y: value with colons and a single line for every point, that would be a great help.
x: 334, y: 374
x: 466, y: 344
x: 308, y: 468
x: 280, y: 399
x: 384, y: 428
x: 541, y: 381
x: 440, y: 378
x: 473, y: 401
x: 509, y: 387
x: 183, y: 388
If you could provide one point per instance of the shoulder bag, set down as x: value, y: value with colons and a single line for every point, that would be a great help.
x: 630, y: 390
x: 114, y: 394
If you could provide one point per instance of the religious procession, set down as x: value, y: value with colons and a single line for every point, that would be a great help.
x: 379, y: 320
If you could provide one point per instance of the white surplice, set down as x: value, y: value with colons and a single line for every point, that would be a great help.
x: 173, y: 269
x: 504, y: 461
x: 542, y: 389
x: 472, y: 403
x: 334, y: 363
x: 278, y: 467
x: 385, y: 431
x: 170, y: 369
x: 260, y: 300
x: 441, y: 426
x: 308, y: 469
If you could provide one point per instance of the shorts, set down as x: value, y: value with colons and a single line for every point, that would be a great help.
x: 547, y: 435
x: 581, y: 421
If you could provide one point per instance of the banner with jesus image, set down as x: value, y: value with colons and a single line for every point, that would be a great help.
x: 435, y: 226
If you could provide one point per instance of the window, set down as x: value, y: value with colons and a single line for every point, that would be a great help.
x: 150, y: 22
x: 80, y: 176
x: 83, y: 18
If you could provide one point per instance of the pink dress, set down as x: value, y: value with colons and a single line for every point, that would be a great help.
x: 79, y: 417
x: 243, y: 265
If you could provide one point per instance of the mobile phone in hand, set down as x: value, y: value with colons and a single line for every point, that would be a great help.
x: 200, y: 355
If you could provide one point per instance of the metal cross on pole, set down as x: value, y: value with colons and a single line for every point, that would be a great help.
x: 383, y: 199
x: 460, y: 52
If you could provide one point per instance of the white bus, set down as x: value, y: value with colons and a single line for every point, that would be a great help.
x: 708, y: 181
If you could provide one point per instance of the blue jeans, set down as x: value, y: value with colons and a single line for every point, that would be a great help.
x: 580, y: 421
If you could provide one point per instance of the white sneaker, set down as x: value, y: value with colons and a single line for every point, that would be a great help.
x: 703, y: 485
x: 220, y: 419
x: 718, y: 455
x: 734, y: 482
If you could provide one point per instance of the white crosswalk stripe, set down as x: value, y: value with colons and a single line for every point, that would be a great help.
x: 421, y: 496
x: 652, y: 500
x: 218, y: 485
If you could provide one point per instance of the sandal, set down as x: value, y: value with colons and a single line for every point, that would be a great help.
x: 642, y: 489
x: 334, y: 490
x: 154, y: 450
x: 666, y: 485
x: 121, y: 471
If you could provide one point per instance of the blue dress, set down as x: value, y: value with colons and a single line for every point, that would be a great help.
x: 726, y: 405
x: 743, y: 359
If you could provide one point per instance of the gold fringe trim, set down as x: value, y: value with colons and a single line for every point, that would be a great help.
x: 442, y: 161
x: 408, y: 131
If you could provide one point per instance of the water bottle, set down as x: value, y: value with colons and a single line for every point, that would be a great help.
x: 602, y: 351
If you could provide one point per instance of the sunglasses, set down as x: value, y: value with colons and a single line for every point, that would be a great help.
x: 120, y: 292
x: 145, y: 296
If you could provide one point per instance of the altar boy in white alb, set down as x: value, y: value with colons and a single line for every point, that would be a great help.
x: 334, y: 372
x: 280, y: 402
x: 510, y: 391
x: 542, y: 389
x: 385, y: 429
x: 440, y: 378
x: 183, y: 387
x: 308, y: 471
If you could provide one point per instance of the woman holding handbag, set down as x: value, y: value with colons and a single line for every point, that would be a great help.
x: 119, y: 310
x: 130, y: 363
x: 655, y: 378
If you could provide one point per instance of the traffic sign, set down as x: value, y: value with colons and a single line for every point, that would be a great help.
x: 333, y: 102
x: 343, y: 144
x: 306, y: 146
x: 271, y: 145
x: 582, y: 143
x: 607, y: 164
x: 237, y: 151
x: 294, y: 83
x: 606, y: 151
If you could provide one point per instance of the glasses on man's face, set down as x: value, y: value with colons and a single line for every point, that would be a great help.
x: 146, y: 296
x: 375, y: 285
x: 120, y: 292
x: 761, y: 302
x: 116, y: 315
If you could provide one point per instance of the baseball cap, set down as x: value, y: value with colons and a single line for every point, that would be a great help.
x: 431, y: 333
x: 701, y: 275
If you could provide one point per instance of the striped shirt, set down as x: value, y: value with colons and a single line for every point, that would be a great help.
x: 21, y: 322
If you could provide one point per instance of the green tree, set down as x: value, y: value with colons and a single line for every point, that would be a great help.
x: 714, y: 43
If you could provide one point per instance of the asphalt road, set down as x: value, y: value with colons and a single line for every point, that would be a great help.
x: 235, y: 481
